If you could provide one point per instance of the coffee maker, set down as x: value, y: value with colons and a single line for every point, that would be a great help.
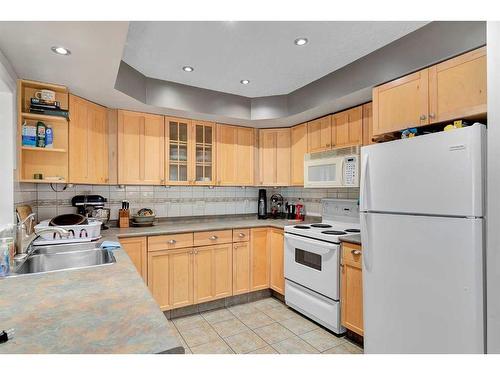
x: 262, y: 205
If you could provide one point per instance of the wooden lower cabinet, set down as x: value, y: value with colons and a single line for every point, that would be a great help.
x: 241, y: 268
x: 259, y: 259
x: 136, y: 249
x: 277, y: 275
x: 351, y: 295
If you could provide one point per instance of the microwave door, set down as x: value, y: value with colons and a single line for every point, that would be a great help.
x: 323, y: 173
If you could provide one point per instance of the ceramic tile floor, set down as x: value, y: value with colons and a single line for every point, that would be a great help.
x: 266, y: 326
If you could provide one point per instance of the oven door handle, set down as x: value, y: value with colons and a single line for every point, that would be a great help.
x: 320, y: 247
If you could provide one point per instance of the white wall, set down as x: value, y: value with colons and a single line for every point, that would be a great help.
x: 7, y: 134
x: 493, y: 186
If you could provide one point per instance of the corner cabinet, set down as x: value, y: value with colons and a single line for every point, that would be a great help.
x: 136, y: 249
x: 189, y: 152
x: 274, y: 157
x: 276, y: 250
x: 351, y: 293
x: 140, y: 148
x: 88, y: 142
x: 259, y: 259
x: 367, y: 124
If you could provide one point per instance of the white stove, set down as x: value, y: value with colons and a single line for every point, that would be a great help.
x: 312, y: 262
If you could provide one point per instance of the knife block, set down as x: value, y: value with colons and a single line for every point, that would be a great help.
x: 123, y: 218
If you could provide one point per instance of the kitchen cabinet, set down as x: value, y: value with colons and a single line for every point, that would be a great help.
x: 274, y: 157
x: 402, y: 103
x: 351, y: 295
x: 367, y: 124
x: 213, y: 266
x: 259, y: 259
x: 204, y: 152
x: 136, y: 249
x: 457, y: 87
x: 319, y: 134
x: 88, y: 142
x: 140, y: 148
x: 276, y: 250
x: 241, y: 268
x: 347, y: 127
x: 298, y: 150
x: 235, y: 155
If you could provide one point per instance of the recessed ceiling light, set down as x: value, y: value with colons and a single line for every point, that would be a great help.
x: 187, y: 68
x: 61, y: 50
x: 300, y: 41
x: 244, y: 81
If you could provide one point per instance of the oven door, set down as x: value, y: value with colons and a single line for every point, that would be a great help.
x: 313, y: 264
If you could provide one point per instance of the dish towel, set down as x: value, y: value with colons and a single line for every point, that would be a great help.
x: 110, y: 245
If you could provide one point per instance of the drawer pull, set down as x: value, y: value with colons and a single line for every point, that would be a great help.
x: 213, y: 238
x: 241, y: 235
x: 355, y: 252
x: 171, y: 242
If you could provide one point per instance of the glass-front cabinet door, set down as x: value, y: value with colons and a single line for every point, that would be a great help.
x: 178, y: 151
x: 204, y: 153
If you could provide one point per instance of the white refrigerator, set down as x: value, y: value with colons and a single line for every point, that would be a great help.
x: 422, y: 231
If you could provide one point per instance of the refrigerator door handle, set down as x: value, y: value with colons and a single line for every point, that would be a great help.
x: 364, y: 189
x: 366, y: 254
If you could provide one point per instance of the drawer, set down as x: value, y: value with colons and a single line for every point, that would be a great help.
x: 241, y: 235
x: 351, y: 254
x: 213, y: 237
x: 170, y: 241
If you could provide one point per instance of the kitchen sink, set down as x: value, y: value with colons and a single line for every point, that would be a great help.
x: 64, y: 258
x: 53, y: 249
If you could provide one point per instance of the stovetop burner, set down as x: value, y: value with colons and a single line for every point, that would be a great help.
x: 320, y: 225
x: 334, y: 232
x: 301, y: 227
x: 352, y: 230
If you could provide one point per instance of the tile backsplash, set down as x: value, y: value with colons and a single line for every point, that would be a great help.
x: 171, y: 201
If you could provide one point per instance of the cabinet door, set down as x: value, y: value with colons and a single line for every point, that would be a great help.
x: 203, y: 152
x: 347, y: 127
x: 283, y: 139
x: 319, y: 134
x: 367, y: 124
x: 178, y: 151
x: 78, y: 140
x: 227, y: 138
x: 140, y: 148
x: 267, y: 157
x: 277, y: 278
x: 259, y: 259
x: 245, y: 156
x: 457, y: 87
x: 136, y: 250
x: 402, y: 103
x: 213, y: 270
x: 297, y: 152
x: 351, y: 295
x: 241, y: 268
x: 98, y: 145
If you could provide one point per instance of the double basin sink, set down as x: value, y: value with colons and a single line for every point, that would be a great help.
x: 64, y: 257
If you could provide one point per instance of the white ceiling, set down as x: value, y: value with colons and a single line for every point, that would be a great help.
x: 223, y: 53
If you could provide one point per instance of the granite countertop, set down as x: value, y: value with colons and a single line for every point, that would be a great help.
x: 352, y: 238
x: 105, y: 309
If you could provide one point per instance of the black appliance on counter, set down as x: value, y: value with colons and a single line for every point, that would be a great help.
x: 262, y: 205
x: 92, y: 206
x: 277, y: 206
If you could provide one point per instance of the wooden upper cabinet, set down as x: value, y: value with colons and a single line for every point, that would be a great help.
x: 347, y: 127
x: 140, y: 148
x: 319, y: 134
x: 235, y: 155
x: 178, y: 151
x: 203, y: 152
x: 276, y: 250
x: 88, y: 142
x: 367, y: 124
x: 457, y: 87
x: 402, y: 103
x: 274, y: 156
x: 297, y: 152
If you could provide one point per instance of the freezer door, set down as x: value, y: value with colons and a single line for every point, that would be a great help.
x: 440, y: 174
x: 422, y: 284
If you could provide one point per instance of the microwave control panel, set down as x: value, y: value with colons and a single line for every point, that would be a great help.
x: 351, y: 171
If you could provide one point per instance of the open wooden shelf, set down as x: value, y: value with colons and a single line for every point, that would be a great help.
x: 39, y: 117
x: 36, y: 181
x: 43, y: 149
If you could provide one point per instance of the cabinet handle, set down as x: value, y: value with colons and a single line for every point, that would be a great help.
x: 432, y: 115
x: 171, y: 242
x: 355, y: 252
x: 423, y: 117
x: 196, y: 252
x: 241, y: 235
x: 213, y: 238
x: 328, y: 145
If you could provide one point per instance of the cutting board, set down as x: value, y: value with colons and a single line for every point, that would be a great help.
x: 23, y: 211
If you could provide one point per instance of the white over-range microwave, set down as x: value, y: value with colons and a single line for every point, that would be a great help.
x: 335, y: 168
